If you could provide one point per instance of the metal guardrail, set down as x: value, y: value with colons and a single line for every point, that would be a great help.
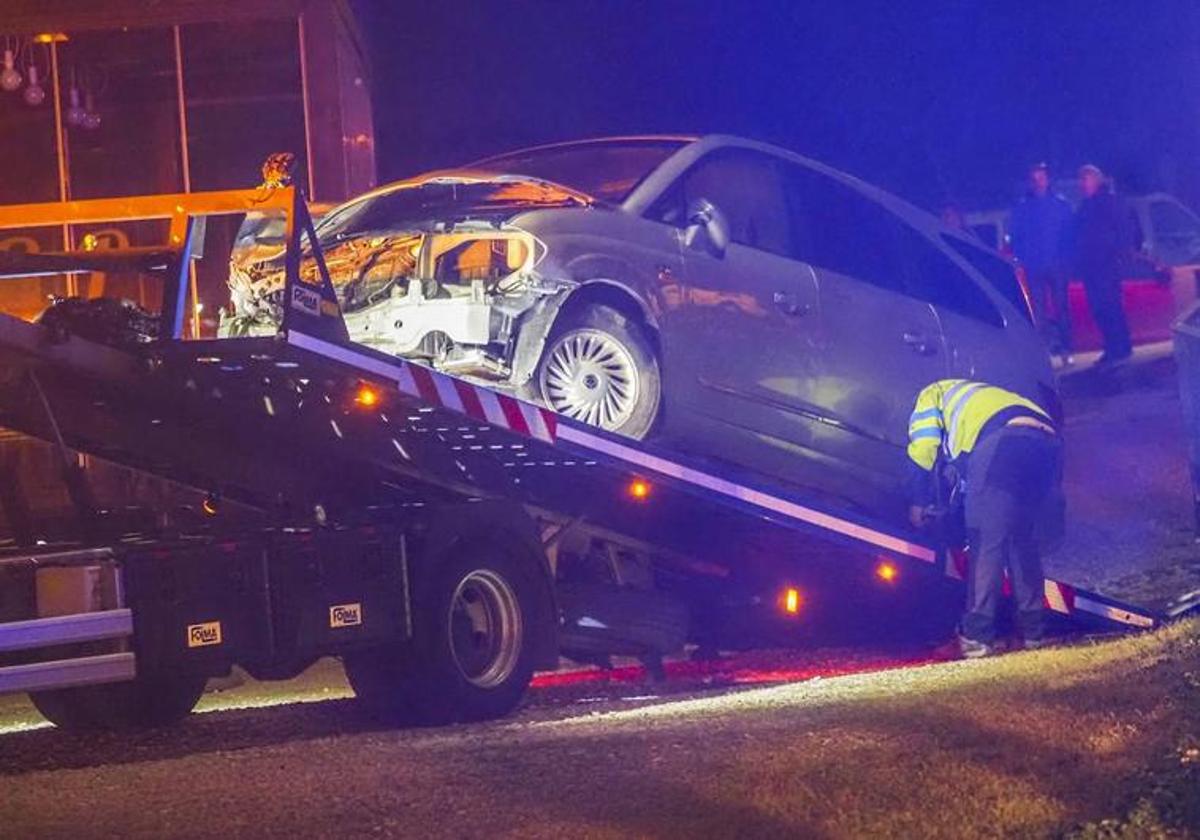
x: 68, y: 673
x: 65, y: 630
x: 47, y: 633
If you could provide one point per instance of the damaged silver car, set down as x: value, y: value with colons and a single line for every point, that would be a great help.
x: 736, y: 299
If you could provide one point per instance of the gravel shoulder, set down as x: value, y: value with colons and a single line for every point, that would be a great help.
x: 1131, y: 531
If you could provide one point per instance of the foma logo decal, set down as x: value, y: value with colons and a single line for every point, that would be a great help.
x: 306, y: 300
x: 202, y: 635
x: 345, y: 615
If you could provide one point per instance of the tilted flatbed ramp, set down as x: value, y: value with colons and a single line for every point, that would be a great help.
x: 239, y: 417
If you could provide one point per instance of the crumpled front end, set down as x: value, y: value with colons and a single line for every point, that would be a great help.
x: 431, y: 269
x: 451, y: 297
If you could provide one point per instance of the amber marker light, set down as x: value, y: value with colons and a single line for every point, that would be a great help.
x: 366, y: 396
x: 886, y: 571
x: 791, y: 600
x: 639, y: 489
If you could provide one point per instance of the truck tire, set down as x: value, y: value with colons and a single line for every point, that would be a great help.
x: 606, y: 619
x: 146, y: 702
x: 600, y: 368
x: 472, y: 653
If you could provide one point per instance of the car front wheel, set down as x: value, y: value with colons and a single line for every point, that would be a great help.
x: 599, y: 367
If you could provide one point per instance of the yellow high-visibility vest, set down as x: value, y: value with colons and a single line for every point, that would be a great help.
x: 950, y: 414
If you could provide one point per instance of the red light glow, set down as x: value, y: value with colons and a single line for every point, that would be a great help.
x: 639, y: 489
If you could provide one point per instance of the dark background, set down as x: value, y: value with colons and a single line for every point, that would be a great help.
x: 936, y: 101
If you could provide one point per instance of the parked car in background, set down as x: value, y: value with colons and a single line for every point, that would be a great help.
x: 730, y: 297
x: 1160, y: 279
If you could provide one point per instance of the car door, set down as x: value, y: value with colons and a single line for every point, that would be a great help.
x: 880, y: 345
x: 747, y: 331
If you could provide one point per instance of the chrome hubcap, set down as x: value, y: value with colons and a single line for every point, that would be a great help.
x: 590, y: 376
x: 485, y: 628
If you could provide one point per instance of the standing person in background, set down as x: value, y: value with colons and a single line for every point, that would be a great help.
x: 1040, y: 226
x: 1100, y: 240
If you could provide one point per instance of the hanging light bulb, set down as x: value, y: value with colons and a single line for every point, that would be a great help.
x: 35, y: 94
x: 91, y: 117
x: 75, y: 113
x: 10, y: 79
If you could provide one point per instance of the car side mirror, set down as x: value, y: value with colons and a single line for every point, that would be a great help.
x: 707, y: 227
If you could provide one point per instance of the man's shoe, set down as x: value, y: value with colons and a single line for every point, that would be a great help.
x: 971, y: 649
x: 1034, y: 644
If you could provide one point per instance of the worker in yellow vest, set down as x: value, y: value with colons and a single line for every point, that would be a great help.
x: 1009, y: 453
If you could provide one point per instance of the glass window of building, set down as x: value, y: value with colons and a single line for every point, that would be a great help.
x: 244, y: 100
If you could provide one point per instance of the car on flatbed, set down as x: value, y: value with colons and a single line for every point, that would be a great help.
x: 730, y: 297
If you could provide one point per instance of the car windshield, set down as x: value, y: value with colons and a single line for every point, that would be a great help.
x: 608, y: 171
x: 447, y: 200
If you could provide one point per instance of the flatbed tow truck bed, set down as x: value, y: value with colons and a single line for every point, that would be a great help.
x: 350, y: 494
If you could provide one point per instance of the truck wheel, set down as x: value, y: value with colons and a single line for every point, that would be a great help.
x: 472, y: 652
x: 599, y: 367
x: 145, y: 702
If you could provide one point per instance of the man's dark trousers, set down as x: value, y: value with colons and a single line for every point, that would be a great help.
x: 1010, y: 475
x: 1049, y: 291
x: 1103, y: 288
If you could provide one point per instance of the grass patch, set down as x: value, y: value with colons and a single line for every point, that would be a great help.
x: 1095, y: 740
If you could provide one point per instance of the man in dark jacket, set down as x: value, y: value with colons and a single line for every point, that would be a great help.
x: 1040, y: 225
x: 1101, y: 239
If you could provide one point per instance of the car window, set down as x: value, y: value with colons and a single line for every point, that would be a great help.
x: 839, y: 229
x: 746, y: 187
x: 999, y: 272
x: 932, y: 276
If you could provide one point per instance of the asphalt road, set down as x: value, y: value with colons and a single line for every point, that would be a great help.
x: 297, y: 759
x: 1131, y: 531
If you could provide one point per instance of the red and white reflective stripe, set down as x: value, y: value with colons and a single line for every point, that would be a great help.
x: 1059, y: 596
x: 438, y: 389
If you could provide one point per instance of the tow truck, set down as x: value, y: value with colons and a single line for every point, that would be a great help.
x: 443, y: 538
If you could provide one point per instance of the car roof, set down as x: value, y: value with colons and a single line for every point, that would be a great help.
x: 691, y: 148
x: 621, y: 140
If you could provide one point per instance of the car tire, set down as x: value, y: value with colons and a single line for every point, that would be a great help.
x: 599, y: 367
x: 471, y: 656
x: 149, y: 701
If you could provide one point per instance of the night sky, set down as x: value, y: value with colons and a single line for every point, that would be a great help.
x: 938, y: 102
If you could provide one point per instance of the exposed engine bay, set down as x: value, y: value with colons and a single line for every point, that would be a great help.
x: 451, y: 293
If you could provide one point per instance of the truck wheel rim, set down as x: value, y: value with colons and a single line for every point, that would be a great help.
x: 485, y: 628
x: 591, y: 376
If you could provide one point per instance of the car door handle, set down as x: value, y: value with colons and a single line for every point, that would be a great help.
x: 920, y: 343
x: 789, y: 303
